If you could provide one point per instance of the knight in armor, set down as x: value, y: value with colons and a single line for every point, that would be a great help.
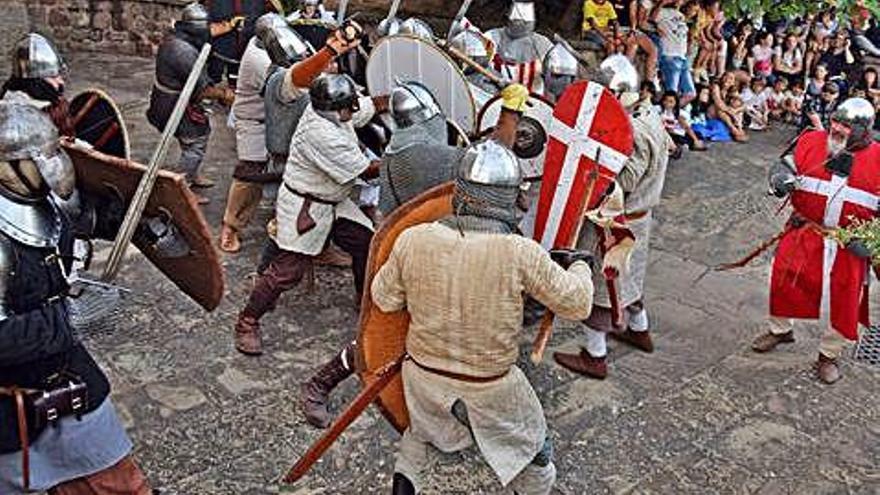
x: 174, y: 61
x: 477, y: 47
x: 622, y: 235
x: 253, y: 170
x: 59, y: 431
x: 418, y: 157
x: 519, y: 50
x: 312, y: 10
x: 831, y: 179
x: 560, y: 71
x: 461, y: 382
x: 38, y: 79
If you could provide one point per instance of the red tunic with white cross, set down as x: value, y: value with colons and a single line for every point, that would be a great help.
x: 813, y: 276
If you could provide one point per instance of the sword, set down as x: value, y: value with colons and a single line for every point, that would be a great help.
x: 462, y: 11
x: 392, y: 11
x: 340, y: 11
x: 382, y: 378
x: 145, y: 187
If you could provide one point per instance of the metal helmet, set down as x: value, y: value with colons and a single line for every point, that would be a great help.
x: 471, y: 43
x: 194, y: 22
x: 418, y: 28
x: 560, y: 70
x: 331, y: 93
x: 388, y: 27
x: 521, y: 19
x: 858, y: 114
x: 34, y: 56
x: 27, y: 136
x: 619, y: 75
x: 489, y: 163
x: 310, y: 3
x: 284, y: 45
x: 413, y: 103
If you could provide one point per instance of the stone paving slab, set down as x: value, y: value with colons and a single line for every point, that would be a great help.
x: 700, y: 415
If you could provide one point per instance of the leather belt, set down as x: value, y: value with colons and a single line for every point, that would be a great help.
x: 459, y: 376
x: 309, y: 197
x: 18, y: 394
x: 165, y: 89
x: 638, y: 215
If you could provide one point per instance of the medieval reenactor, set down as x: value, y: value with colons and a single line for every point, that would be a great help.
x: 461, y: 381
x: 232, y: 24
x: 624, y: 241
x: 249, y: 110
x: 313, y: 205
x: 560, y: 70
x: 38, y: 79
x: 312, y: 10
x: 832, y: 179
x: 59, y: 431
x: 174, y: 61
x: 418, y: 156
x: 518, y: 50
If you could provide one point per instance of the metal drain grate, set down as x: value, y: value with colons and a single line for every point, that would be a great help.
x: 868, y: 348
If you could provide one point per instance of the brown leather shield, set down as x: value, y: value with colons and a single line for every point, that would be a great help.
x: 382, y: 337
x: 98, y: 121
x: 199, y: 275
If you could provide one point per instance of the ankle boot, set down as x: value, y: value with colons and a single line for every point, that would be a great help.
x: 402, y: 485
x: 315, y: 392
x: 248, y: 340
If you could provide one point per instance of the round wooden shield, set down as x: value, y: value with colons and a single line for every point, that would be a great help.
x: 405, y: 58
x: 532, y: 135
x: 382, y: 337
x: 98, y: 121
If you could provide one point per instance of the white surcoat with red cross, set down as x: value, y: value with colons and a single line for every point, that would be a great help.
x: 813, y: 276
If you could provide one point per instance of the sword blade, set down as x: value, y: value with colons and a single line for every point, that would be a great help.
x: 392, y: 11
x: 340, y: 11
x: 462, y: 11
x: 345, y: 418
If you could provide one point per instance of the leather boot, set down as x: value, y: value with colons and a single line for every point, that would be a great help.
x: 768, y: 341
x: 315, y: 392
x: 640, y: 340
x: 827, y: 369
x: 402, y: 485
x: 583, y: 364
x: 248, y: 340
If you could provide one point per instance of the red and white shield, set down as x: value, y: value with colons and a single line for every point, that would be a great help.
x: 591, y: 138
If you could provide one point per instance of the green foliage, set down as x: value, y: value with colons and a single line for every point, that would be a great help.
x: 788, y: 9
x: 866, y: 231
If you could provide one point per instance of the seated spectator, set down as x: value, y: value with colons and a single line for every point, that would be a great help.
x: 677, y: 124
x: 869, y: 83
x: 699, y: 107
x: 755, y: 102
x: 838, y: 57
x: 599, y: 18
x: 776, y: 98
x: 794, y: 102
x: 815, y: 49
x: 741, y: 43
x: 788, y: 59
x: 817, y: 81
x: 722, y: 92
x: 817, y: 111
x: 737, y: 111
x: 762, y: 55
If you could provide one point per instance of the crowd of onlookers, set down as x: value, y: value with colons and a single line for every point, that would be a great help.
x: 719, y: 79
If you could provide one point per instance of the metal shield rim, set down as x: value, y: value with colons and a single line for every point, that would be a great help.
x: 368, y: 308
x: 485, y: 108
x: 451, y: 62
x: 124, y: 128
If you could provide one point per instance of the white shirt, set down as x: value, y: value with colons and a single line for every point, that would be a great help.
x: 673, y: 32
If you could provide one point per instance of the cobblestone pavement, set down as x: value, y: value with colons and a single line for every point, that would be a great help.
x: 702, y: 414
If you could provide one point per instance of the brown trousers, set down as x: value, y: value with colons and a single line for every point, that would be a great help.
x: 123, y: 478
x: 282, y: 270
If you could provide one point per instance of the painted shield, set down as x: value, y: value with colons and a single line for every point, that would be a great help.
x: 532, y: 134
x: 382, y: 337
x: 98, y: 121
x: 404, y: 58
x: 591, y: 138
x: 199, y: 274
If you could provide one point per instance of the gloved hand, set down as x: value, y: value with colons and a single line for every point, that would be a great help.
x: 346, y: 38
x: 858, y: 248
x: 514, y: 97
x: 567, y: 257
x: 616, y: 260
x: 782, y: 178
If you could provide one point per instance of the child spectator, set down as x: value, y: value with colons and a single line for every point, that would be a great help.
x: 818, y: 81
x: 788, y: 60
x: 794, y: 102
x: 599, y: 17
x: 818, y: 110
x: 755, y: 99
x: 776, y: 99
x: 762, y: 53
x: 678, y: 124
